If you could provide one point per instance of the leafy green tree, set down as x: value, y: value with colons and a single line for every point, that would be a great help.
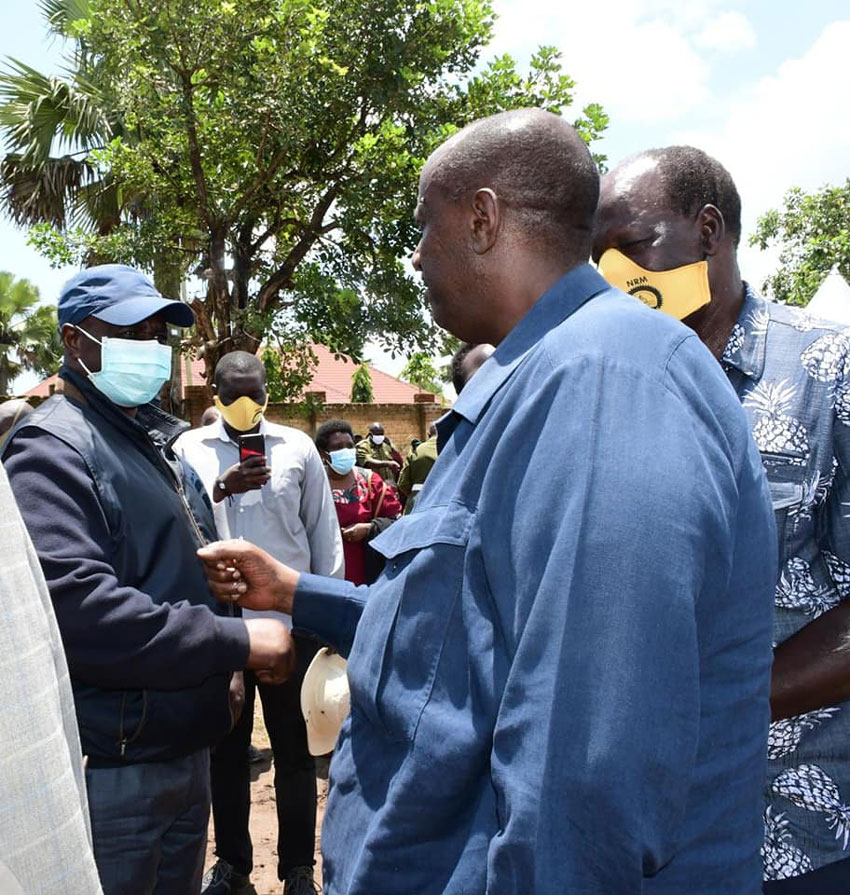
x: 361, y: 386
x: 29, y: 337
x: 290, y: 365
x: 274, y: 145
x: 812, y: 231
x: 421, y: 372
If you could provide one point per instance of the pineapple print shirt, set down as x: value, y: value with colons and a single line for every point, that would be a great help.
x: 792, y: 374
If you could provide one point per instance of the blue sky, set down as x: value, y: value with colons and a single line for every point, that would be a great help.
x: 764, y: 86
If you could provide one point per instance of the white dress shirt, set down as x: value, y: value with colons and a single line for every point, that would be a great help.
x: 292, y: 516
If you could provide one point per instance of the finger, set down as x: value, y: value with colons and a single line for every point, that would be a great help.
x: 222, y: 566
x: 225, y: 551
x: 223, y: 576
x: 231, y: 593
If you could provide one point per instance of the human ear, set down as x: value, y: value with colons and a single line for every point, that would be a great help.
x: 712, y: 228
x: 71, y: 338
x: 486, y: 220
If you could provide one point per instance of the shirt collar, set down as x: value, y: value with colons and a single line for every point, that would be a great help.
x: 552, y: 308
x: 745, y: 349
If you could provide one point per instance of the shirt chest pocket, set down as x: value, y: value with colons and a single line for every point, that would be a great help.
x: 281, y: 494
x: 401, y: 635
x: 786, y: 476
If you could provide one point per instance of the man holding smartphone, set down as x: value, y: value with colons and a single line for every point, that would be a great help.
x: 268, y: 486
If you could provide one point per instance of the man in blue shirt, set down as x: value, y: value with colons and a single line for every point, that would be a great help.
x: 675, y: 212
x: 567, y: 656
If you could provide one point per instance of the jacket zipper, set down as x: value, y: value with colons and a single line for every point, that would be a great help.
x: 124, y: 740
x: 190, y: 515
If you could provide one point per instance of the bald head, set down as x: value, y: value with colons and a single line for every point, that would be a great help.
x: 238, y: 363
x: 538, y: 167
x: 690, y: 179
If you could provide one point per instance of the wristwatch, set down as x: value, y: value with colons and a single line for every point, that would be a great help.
x: 221, y: 487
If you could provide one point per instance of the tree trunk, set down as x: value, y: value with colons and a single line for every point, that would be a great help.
x: 214, y: 317
x: 168, y: 278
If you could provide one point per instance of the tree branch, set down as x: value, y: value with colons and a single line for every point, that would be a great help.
x: 283, y: 275
x: 195, y: 151
x: 259, y: 181
x: 273, y: 228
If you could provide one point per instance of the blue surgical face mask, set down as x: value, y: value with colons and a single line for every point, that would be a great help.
x: 131, y: 372
x: 342, y: 461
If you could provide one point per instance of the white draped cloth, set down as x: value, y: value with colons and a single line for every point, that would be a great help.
x: 45, y: 837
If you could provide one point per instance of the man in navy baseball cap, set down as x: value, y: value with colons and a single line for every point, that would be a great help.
x: 118, y: 295
x: 116, y: 520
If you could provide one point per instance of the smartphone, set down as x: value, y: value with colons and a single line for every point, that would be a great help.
x: 251, y: 446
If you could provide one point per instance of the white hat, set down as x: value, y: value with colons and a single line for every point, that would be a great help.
x: 324, y: 700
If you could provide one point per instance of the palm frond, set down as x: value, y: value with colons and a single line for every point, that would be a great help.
x: 61, y: 14
x: 97, y: 204
x: 32, y: 194
x: 40, y: 345
x: 37, y: 110
x: 17, y: 297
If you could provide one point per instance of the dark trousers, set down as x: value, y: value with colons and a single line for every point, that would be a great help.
x: 149, y: 824
x: 294, y: 774
x: 833, y: 879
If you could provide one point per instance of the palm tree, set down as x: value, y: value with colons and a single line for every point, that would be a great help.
x: 29, y: 335
x: 50, y: 126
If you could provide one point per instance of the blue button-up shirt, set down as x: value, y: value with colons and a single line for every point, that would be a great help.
x: 791, y: 374
x: 559, y: 684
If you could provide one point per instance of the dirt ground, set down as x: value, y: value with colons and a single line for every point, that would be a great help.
x: 264, y: 816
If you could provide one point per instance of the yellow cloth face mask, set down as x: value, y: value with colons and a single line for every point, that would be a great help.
x: 243, y: 414
x: 679, y: 292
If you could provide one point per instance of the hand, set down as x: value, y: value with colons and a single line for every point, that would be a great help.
x: 249, y: 475
x: 357, y: 532
x: 240, y: 572
x: 392, y: 465
x: 272, y: 653
x: 236, y: 695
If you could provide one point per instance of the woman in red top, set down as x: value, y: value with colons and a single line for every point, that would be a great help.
x: 365, y: 505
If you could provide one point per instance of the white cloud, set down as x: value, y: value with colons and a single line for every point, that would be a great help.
x: 642, y: 59
x: 728, y: 32
x: 791, y: 128
x: 658, y: 75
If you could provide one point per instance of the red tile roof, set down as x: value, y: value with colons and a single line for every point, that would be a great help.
x: 332, y: 376
x: 43, y: 389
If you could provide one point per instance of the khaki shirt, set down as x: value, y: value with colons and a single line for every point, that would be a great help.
x: 368, y: 450
x: 415, y: 470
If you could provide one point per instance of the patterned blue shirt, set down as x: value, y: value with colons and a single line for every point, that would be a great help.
x: 791, y: 374
x: 566, y: 660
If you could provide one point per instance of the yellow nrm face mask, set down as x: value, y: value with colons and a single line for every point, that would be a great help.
x: 243, y: 414
x: 679, y: 292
